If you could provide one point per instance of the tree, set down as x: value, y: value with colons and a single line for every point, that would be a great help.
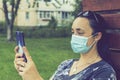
x: 78, y: 7
x: 10, y: 15
x: 52, y: 23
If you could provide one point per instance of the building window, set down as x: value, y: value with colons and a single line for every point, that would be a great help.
x: 37, y: 4
x: 64, y: 15
x: 27, y: 15
x: 48, y: 14
x: 58, y: 12
x: 47, y: 0
x: 45, y: 14
x: 40, y: 15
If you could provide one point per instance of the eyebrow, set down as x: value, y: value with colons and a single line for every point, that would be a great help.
x: 79, y: 29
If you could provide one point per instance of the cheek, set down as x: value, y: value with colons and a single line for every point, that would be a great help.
x: 90, y: 41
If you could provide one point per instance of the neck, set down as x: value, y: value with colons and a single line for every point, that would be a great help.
x: 90, y: 57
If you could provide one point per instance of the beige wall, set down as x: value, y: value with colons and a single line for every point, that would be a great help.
x: 1, y: 12
x: 21, y: 18
x: 2, y: 18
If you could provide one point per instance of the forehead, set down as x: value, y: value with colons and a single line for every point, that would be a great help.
x: 82, y: 23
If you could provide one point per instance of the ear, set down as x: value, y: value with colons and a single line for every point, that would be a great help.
x: 98, y: 36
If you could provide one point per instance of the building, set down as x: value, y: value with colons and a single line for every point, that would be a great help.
x: 39, y: 13
x: 1, y: 12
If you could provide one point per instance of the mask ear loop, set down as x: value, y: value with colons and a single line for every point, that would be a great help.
x: 95, y: 34
x: 92, y: 35
x: 92, y: 43
x: 94, y: 40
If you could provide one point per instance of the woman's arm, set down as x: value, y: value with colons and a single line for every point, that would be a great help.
x: 27, y: 70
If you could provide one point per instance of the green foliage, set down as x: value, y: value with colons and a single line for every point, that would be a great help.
x: 46, y: 32
x: 2, y: 28
x: 46, y: 53
x: 52, y: 23
x: 39, y: 32
x: 13, y: 11
x: 78, y: 7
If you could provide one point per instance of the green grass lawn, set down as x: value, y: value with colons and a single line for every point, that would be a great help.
x: 46, y: 53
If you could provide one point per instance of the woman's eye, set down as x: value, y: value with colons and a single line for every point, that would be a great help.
x: 81, y: 33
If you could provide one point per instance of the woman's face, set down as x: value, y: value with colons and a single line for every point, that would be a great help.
x: 81, y: 27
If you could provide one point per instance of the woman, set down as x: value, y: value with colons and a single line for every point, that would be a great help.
x: 88, y: 31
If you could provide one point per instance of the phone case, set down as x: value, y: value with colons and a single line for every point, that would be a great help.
x: 20, y: 43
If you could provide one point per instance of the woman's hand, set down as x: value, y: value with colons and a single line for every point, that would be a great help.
x: 27, y: 69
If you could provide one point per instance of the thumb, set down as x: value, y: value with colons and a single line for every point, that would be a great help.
x: 26, y: 52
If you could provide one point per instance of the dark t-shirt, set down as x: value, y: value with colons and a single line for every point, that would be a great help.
x: 97, y: 71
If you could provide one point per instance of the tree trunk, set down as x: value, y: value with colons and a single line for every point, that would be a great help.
x: 10, y: 32
x: 10, y: 22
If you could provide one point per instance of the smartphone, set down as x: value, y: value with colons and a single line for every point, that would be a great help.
x: 20, y: 43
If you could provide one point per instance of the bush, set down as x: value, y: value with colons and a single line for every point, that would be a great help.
x: 2, y: 27
x: 39, y: 32
x: 46, y: 32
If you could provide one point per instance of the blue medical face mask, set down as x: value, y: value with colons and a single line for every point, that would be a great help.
x: 79, y: 44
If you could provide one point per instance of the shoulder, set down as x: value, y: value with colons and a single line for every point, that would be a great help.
x: 102, y: 65
x: 106, y: 66
x: 105, y: 70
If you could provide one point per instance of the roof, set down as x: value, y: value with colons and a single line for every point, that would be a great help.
x: 46, y: 6
x: 66, y: 7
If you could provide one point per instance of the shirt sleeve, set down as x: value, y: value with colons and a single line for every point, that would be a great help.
x: 60, y: 68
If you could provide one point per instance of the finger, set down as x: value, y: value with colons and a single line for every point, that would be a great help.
x: 20, y: 69
x: 16, y: 66
x: 26, y: 53
x: 20, y: 63
x: 16, y: 49
x: 19, y: 59
x: 21, y: 72
x: 18, y: 56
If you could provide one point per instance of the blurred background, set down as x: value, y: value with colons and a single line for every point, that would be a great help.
x: 47, y: 28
